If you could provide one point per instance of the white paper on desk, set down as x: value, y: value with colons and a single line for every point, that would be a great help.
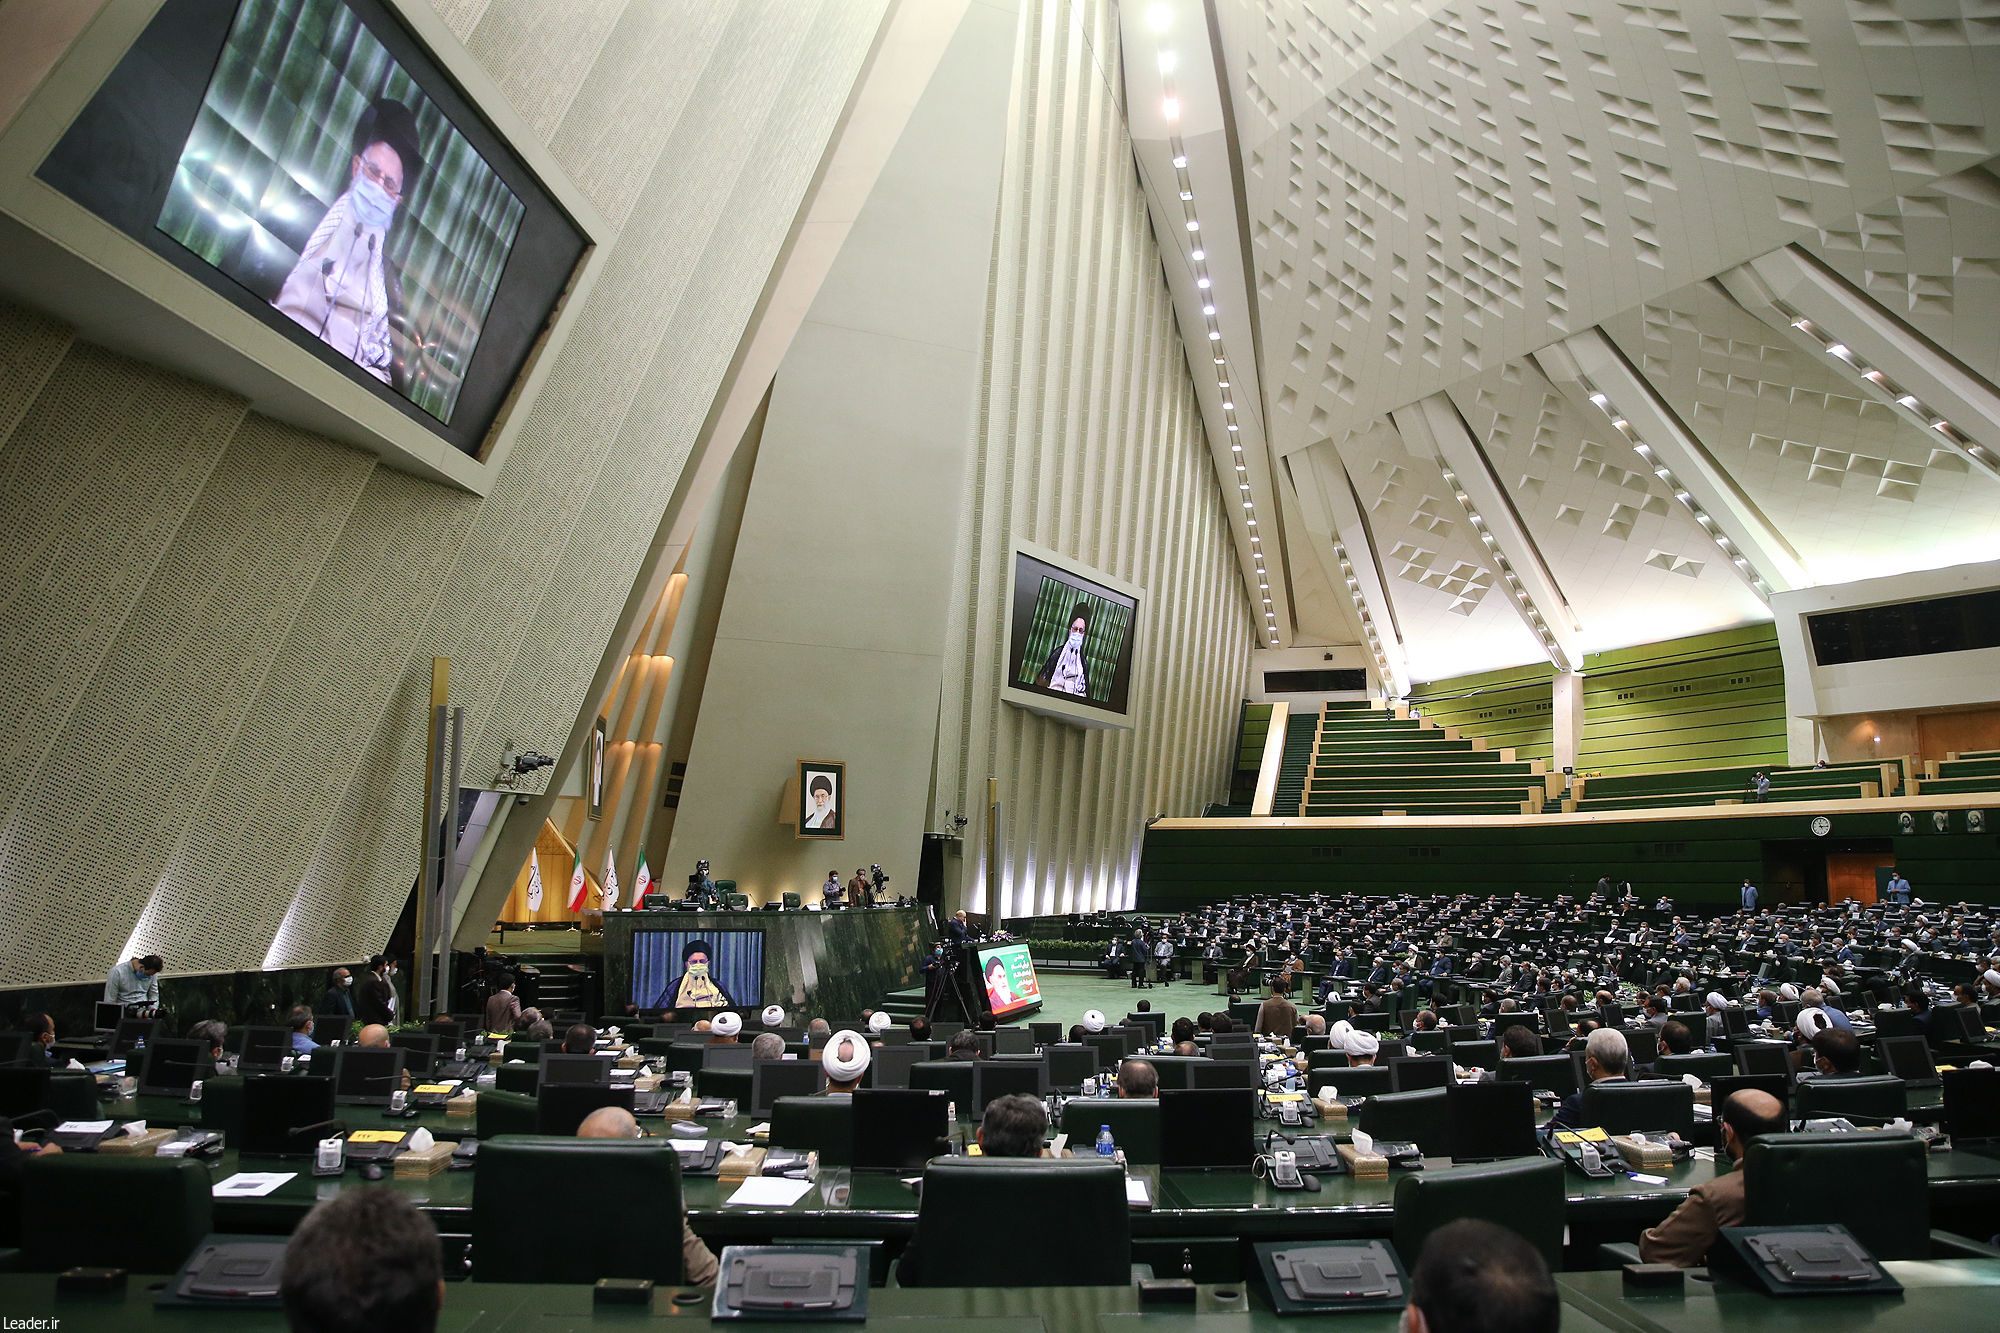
x: 252, y: 1184
x: 1649, y: 1180
x: 770, y: 1192
x: 83, y: 1127
x: 1135, y: 1193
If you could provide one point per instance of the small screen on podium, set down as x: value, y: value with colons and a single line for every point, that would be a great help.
x: 1008, y: 974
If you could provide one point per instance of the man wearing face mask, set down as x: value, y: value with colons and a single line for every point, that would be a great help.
x: 1064, y: 670
x: 694, y: 988
x: 377, y: 1001
x: 338, y: 997
x: 343, y: 289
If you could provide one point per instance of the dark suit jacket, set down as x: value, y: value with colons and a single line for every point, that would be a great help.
x: 336, y: 1000
x: 371, y: 1005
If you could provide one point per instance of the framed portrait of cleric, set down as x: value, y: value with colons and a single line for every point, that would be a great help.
x: 378, y: 248
x: 822, y: 811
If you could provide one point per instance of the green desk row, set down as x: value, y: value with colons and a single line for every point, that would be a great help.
x: 1186, y: 1203
x: 1937, y: 1294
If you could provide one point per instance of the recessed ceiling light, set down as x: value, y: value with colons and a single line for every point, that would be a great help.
x: 1202, y: 283
x: 1836, y: 349
x: 1228, y: 406
x: 1233, y: 426
x: 1171, y: 108
x: 1599, y: 399
x: 1159, y: 17
x: 1909, y: 400
x: 1222, y: 384
x: 1186, y: 195
x: 1208, y: 310
x: 1214, y: 335
x: 1198, y: 255
x: 1166, y: 62
x: 1180, y: 162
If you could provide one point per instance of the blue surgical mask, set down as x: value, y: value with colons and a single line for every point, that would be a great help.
x: 372, y: 204
x: 1075, y: 639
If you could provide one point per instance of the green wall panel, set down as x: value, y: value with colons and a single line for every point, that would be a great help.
x: 1692, y: 860
x: 1701, y: 702
x: 1508, y: 709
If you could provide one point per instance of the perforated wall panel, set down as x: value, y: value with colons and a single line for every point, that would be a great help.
x: 1088, y: 441
x: 213, y: 700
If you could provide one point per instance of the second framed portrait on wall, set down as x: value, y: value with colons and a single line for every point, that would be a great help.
x: 822, y: 811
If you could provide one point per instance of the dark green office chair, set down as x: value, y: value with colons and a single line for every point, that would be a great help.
x: 222, y: 1108
x: 1476, y: 1054
x: 1359, y: 1081
x: 823, y: 1124
x: 73, y: 1096
x: 500, y: 1112
x: 954, y: 1076
x: 653, y: 1047
x: 522, y: 1078
x: 1619, y: 1107
x: 1432, y: 1042
x: 1704, y: 1065
x: 1318, y: 1060
x: 1873, y: 1184
x: 1422, y: 1118
x: 1135, y: 1126
x: 791, y: 901
x: 561, y: 1108
x: 1525, y: 1196
x: 1074, y: 1209
x: 634, y: 1191
x: 142, y: 1214
x: 1867, y: 1100
x: 734, y: 1083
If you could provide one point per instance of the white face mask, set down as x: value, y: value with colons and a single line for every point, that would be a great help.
x: 372, y: 204
x: 1075, y: 639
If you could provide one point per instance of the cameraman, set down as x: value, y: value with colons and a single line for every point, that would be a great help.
x: 701, y: 889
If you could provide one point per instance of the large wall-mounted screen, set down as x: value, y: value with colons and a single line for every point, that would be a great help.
x: 306, y: 160
x: 1071, y: 641
x: 1007, y: 977
x: 698, y: 969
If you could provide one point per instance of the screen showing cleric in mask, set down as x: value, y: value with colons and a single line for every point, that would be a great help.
x: 321, y: 178
x: 698, y: 969
x: 1072, y: 638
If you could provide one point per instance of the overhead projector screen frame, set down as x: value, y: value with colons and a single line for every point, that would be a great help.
x: 1092, y: 716
x: 121, y: 294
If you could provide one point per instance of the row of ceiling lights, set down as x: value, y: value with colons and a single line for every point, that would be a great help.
x: 1353, y: 583
x: 1888, y: 388
x: 1623, y: 426
x: 1170, y: 105
x: 1500, y: 562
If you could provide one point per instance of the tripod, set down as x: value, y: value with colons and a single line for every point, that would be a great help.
x: 952, y: 982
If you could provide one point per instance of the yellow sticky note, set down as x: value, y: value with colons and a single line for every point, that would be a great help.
x: 376, y: 1136
x: 1285, y: 1096
x: 1595, y: 1135
x: 435, y: 1087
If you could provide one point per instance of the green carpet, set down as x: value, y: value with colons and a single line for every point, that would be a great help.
x: 1066, y: 996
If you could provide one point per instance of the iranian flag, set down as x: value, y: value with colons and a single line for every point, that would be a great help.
x: 643, y: 883
x: 579, y: 884
x: 610, y: 880
x: 534, y: 882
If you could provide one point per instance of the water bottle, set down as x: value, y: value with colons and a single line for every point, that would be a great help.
x: 1105, y: 1147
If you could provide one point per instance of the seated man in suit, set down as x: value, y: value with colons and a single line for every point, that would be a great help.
x: 1606, y: 1059
x: 698, y: 1265
x: 1015, y: 1126
x: 1683, y: 1239
x: 1836, y: 1053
